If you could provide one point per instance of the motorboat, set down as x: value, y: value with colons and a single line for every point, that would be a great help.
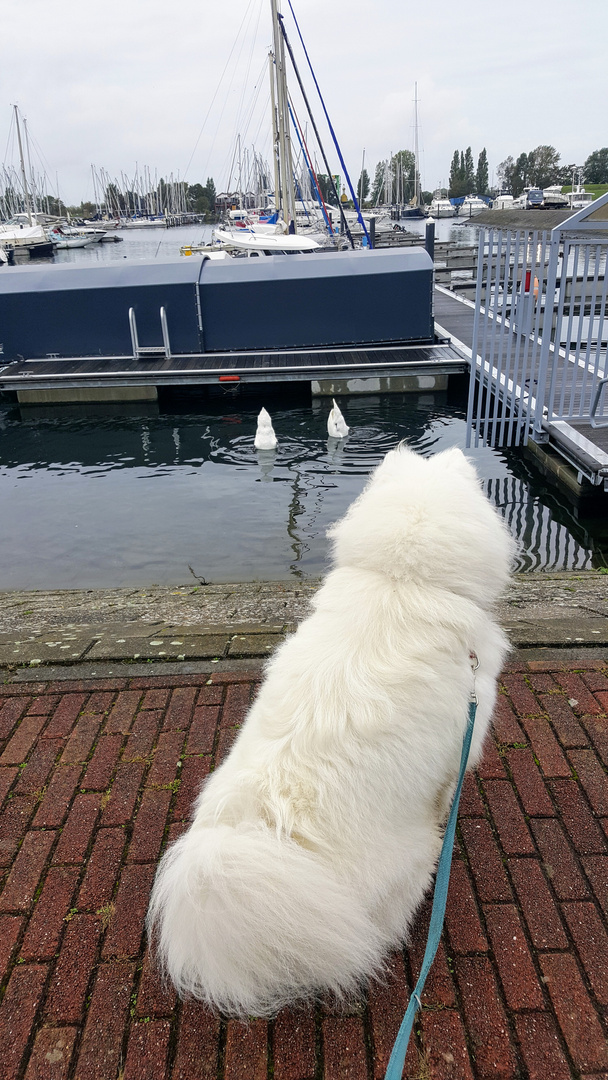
x: 471, y: 205
x: 442, y: 208
x: 64, y: 238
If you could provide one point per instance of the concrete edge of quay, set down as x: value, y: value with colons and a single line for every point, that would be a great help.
x: 102, y: 633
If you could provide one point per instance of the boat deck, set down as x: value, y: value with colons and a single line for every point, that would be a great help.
x: 160, y: 370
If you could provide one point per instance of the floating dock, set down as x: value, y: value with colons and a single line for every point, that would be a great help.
x: 119, y: 330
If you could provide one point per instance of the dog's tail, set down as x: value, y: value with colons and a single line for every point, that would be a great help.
x: 248, y: 922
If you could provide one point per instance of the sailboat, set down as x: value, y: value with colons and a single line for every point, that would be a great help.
x: 22, y: 234
x: 415, y: 209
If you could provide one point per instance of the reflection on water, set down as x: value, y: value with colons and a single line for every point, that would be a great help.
x: 139, y: 496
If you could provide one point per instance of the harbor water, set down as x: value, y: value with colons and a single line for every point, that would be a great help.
x: 175, y: 493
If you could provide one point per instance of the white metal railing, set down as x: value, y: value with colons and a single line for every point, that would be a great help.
x: 540, y: 332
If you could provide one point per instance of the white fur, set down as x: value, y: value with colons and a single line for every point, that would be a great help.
x: 313, y: 844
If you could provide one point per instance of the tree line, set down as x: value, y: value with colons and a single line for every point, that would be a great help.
x: 538, y: 168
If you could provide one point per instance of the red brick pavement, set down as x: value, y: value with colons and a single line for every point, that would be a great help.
x: 97, y: 776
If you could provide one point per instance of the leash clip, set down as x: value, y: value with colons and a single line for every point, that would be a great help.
x: 474, y: 659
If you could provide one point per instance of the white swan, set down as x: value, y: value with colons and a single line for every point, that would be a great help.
x: 337, y: 428
x: 265, y: 438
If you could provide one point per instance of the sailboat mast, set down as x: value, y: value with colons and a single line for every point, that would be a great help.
x: 285, y: 158
x: 26, y: 193
x: 416, y: 169
x: 275, y: 132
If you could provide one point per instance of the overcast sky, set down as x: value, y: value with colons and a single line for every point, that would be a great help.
x: 171, y: 85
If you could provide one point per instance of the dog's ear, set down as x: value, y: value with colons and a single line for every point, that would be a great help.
x: 457, y: 461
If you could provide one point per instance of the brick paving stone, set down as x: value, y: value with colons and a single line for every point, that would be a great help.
x: 536, y: 901
x: 100, y: 1051
x: 246, y: 1051
x: 102, y: 869
x: 47, y: 921
x: 122, y: 713
x: 236, y: 704
x: 563, y: 721
x: 510, y: 824
x: 445, y: 1046
x: 543, y: 683
x: 201, y: 735
x: 226, y: 738
x: 165, y: 765
x: 17, y: 1013
x: 10, y: 929
x: 515, y: 966
x: 546, y: 748
x: 596, y: 869
x: 101, y: 767
x: 597, y: 730
x: 23, y: 740
x: 51, y: 1054
x: 26, y: 871
x: 529, y: 783
x: 462, y: 919
x: 558, y: 860
x: 578, y: 820
x: 39, y: 764
x: 344, y: 1056
x: 520, y: 695
x: 198, y: 1044
x: 210, y: 695
x: 578, y: 692
x: 490, y: 766
x: 65, y: 999
x: 179, y: 710
x: 592, y: 779
x: 82, y: 739
x: 155, y: 699
x: 152, y: 682
x: 10, y: 713
x: 193, y: 772
x: 485, y: 861
x: 591, y: 943
x: 123, y: 794
x: 99, y: 703
x: 576, y: 1015
x: 470, y: 799
x: 147, y: 1051
x: 14, y: 822
x: 65, y: 716
x: 85, y: 685
x: 58, y: 796
x: 594, y: 680
x: 387, y: 1001
x: 7, y: 777
x: 540, y: 1047
x: 155, y: 997
x: 149, y: 826
x: 124, y: 935
x: 293, y: 1044
x: 506, y: 727
x: 485, y: 1019
x: 78, y: 829
x: 142, y: 736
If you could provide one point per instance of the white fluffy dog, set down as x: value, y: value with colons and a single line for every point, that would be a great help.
x: 315, y: 841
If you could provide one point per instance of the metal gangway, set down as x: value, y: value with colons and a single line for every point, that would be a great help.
x: 540, y: 336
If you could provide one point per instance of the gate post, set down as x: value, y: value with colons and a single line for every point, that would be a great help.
x: 538, y: 433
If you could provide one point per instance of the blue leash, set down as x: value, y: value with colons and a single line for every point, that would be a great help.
x: 397, y: 1059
